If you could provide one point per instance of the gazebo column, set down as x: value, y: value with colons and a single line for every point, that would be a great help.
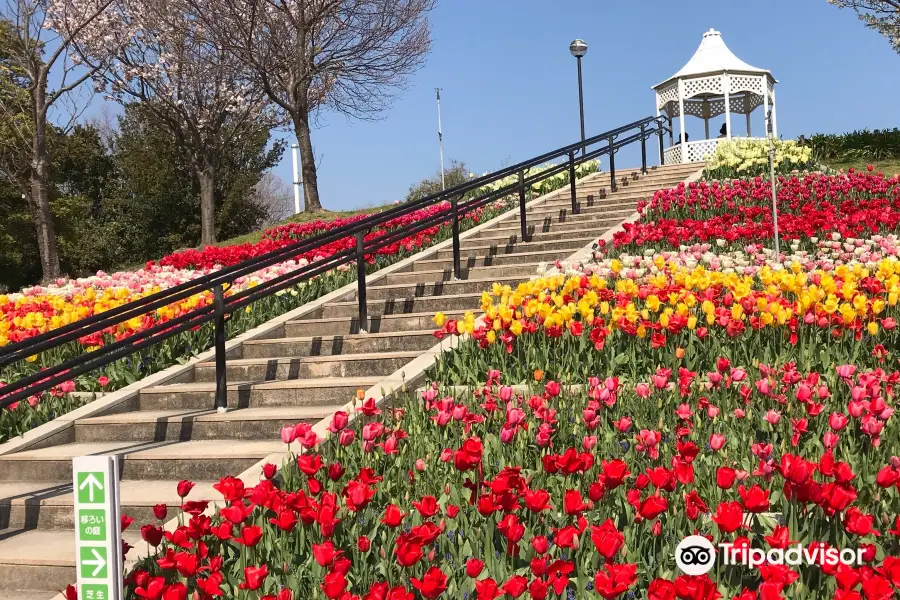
x: 726, y: 83
x: 684, y: 150
x: 706, y: 116
x: 671, y: 131
x: 766, y: 110
x: 747, y: 108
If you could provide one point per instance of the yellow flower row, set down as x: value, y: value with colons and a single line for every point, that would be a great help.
x: 773, y: 297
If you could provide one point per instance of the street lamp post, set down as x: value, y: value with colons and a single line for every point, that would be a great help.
x: 578, y: 49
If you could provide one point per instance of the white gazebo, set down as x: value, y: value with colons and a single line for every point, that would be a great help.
x: 712, y: 83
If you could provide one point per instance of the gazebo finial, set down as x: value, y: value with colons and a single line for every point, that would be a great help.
x: 713, y: 82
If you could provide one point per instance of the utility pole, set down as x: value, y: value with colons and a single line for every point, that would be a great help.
x: 437, y: 91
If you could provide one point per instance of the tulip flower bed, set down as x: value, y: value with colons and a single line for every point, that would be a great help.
x: 739, y: 211
x: 593, y: 419
x: 40, y: 309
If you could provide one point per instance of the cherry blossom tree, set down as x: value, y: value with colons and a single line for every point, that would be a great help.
x: 39, y: 38
x: 161, y: 56
x: 349, y: 56
x: 881, y: 15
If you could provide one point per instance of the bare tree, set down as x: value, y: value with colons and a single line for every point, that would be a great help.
x: 350, y: 56
x: 275, y: 195
x: 881, y: 15
x: 161, y: 56
x: 40, y: 35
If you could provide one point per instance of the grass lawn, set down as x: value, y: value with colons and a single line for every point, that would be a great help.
x: 304, y: 217
x: 888, y: 167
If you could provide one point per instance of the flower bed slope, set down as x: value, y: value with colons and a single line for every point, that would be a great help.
x: 662, y: 390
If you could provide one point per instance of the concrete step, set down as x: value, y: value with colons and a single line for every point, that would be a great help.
x: 519, y: 258
x: 307, y: 367
x: 541, y: 233
x: 323, y: 391
x: 260, y: 423
x: 48, y: 505
x: 525, y: 270
x: 399, y: 306
x: 40, y: 560
x: 480, y: 248
x: 600, y: 221
x: 377, y: 324
x: 338, y: 345
x: 439, y: 288
x: 195, y: 459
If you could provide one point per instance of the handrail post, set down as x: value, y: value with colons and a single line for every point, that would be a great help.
x: 643, y: 151
x: 454, y: 206
x: 221, y: 370
x: 612, y: 165
x: 572, y: 190
x: 662, y: 149
x: 361, y: 283
x: 522, y: 217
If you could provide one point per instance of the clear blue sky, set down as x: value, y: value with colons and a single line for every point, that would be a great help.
x: 510, y: 87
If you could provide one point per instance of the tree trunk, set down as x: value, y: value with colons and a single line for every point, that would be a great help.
x: 308, y: 160
x: 40, y: 198
x: 206, y: 174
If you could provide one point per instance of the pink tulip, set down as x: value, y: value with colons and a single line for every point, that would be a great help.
x: 773, y: 416
x: 642, y: 390
x: 506, y: 393
x: 589, y: 442
x: 372, y: 431
x: 347, y: 437
x: 739, y: 413
x: 717, y: 441
x: 288, y: 434
x: 507, y: 434
x: 338, y: 422
x: 845, y: 371
x: 446, y: 455
x: 837, y: 421
x: 623, y: 424
x: 738, y: 374
x: 712, y: 411
x: 856, y: 409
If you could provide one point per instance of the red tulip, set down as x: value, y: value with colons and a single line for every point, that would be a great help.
x: 607, y: 539
x: 254, y: 577
x: 184, y: 488
x: 151, y: 534
x: 729, y: 516
x: 653, y: 506
x: 516, y: 586
x: 160, y: 511
x: 250, y: 535
x: 474, y: 567
x: 432, y: 584
x: 427, y: 506
x: 614, y: 579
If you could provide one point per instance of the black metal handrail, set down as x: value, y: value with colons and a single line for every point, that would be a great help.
x: 216, y: 282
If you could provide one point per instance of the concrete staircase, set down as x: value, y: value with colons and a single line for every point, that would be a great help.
x: 170, y: 432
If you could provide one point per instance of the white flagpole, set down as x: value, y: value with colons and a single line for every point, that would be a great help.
x: 297, y: 181
x: 440, y: 135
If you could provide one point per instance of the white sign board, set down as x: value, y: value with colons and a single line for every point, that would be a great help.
x: 98, y: 534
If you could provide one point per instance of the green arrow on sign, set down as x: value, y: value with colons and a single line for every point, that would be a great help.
x: 89, y: 483
x: 93, y: 557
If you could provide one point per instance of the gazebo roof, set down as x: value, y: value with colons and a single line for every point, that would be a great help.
x: 713, y: 56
